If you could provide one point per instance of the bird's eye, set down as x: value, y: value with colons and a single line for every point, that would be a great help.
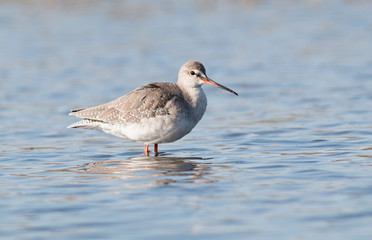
x: 192, y: 73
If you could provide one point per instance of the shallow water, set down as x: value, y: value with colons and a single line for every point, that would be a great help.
x: 290, y: 158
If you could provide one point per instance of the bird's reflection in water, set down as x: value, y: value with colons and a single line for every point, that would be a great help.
x: 159, y: 170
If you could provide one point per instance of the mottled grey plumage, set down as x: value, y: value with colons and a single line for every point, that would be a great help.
x: 149, y: 101
x: 154, y: 113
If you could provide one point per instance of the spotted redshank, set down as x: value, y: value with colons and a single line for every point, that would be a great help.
x: 155, y: 113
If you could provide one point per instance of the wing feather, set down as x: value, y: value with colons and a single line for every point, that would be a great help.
x: 148, y: 101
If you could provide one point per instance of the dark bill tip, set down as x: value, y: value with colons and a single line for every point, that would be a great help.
x: 213, y: 83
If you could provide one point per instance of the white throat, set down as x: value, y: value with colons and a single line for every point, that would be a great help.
x: 195, y: 96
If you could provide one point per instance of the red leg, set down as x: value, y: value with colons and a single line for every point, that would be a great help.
x: 146, y: 150
x: 156, y: 149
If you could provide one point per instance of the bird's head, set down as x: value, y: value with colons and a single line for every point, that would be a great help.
x: 192, y: 74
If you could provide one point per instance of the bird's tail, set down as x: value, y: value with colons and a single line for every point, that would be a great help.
x: 86, y: 123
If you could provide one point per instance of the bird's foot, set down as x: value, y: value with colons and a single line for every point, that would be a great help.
x: 156, y: 149
x: 146, y: 150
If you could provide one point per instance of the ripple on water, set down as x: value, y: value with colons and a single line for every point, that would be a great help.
x: 289, y: 158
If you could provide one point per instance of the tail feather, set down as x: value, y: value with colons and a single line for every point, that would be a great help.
x: 77, y: 110
x: 74, y: 112
x: 86, y: 123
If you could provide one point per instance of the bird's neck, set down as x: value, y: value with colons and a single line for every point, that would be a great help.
x: 193, y: 95
x: 197, y: 100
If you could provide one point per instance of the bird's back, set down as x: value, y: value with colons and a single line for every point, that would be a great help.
x: 149, y: 101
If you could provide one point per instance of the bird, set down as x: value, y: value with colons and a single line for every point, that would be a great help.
x: 155, y: 113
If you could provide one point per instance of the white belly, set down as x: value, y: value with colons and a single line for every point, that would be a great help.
x: 161, y: 129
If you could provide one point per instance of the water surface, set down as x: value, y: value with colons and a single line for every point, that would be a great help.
x: 290, y: 158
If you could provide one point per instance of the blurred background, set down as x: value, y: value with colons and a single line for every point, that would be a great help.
x: 290, y: 158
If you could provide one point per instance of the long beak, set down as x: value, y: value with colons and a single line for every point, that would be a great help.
x: 209, y: 81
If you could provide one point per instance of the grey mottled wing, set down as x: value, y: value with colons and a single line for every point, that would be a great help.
x: 148, y: 101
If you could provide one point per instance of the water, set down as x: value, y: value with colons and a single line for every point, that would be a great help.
x: 290, y: 158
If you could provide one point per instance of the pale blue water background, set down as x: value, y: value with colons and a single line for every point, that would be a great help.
x: 290, y: 158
